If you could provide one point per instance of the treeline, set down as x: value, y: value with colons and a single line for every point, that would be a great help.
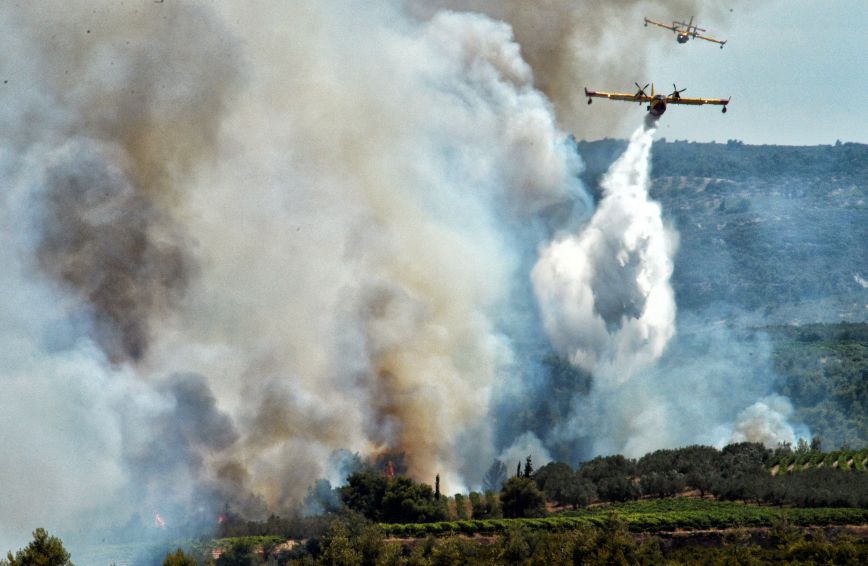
x: 638, y: 491
x: 351, y: 540
x: 737, y: 472
x: 734, y: 159
x: 742, y: 471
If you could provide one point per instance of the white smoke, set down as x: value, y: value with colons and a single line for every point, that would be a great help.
x: 766, y: 421
x: 372, y: 249
x: 525, y: 445
x: 607, y: 304
x: 604, y: 293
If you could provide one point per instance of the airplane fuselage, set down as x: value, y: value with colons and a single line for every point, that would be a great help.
x: 682, y: 37
x: 657, y: 105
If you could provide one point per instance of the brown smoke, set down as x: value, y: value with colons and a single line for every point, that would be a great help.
x: 306, y: 208
x: 139, y: 104
x: 97, y: 239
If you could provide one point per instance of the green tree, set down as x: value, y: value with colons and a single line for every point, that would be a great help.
x: 484, y: 506
x: 612, y: 477
x: 515, y: 545
x: 557, y: 471
x: 563, y: 486
x: 528, y: 467
x: 364, y: 493
x: 43, y: 550
x: 338, y: 549
x: 453, y: 550
x: 460, y: 506
x: 406, y: 501
x: 802, y: 446
x: 614, y: 543
x: 370, y: 544
x: 239, y: 553
x: 492, y: 503
x: 520, y: 497
x: 662, y: 484
x: 179, y: 558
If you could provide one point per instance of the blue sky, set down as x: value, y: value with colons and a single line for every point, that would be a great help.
x: 797, y: 72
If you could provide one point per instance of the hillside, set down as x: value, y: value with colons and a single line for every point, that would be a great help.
x: 776, y: 231
x: 825, y: 373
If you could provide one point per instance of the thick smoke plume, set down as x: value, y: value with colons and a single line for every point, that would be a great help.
x: 239, y: 242
x: 237, y: 251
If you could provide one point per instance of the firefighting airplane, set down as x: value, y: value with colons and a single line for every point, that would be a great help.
x: 656, y: 102
x: 683, y: 31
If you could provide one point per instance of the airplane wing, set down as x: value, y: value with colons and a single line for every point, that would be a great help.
x: 617, y: 96
x: 662, y: 25
x: 696, y: 101
x: 722, y: 43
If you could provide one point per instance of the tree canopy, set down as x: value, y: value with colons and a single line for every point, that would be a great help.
x: 396, y: 500
x: 43, y: 550
x: 520, y: 497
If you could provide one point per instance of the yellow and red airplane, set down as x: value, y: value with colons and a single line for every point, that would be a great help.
x: 683, y: 31
x: 656, y: 102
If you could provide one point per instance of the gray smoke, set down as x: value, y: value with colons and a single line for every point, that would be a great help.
x: 236, y: 254
x: 106, y: 112
x: 99, y: 239
x: 703, y: 389
x: 236, y: 240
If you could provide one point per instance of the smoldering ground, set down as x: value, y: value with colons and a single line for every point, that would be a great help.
x: 236, y: 240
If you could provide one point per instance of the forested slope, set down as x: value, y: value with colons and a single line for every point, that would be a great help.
x: 774, y: 238
x: 777, y: 231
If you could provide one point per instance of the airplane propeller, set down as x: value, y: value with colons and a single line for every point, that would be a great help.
x: 675, y: 92
x: 641, y: 91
